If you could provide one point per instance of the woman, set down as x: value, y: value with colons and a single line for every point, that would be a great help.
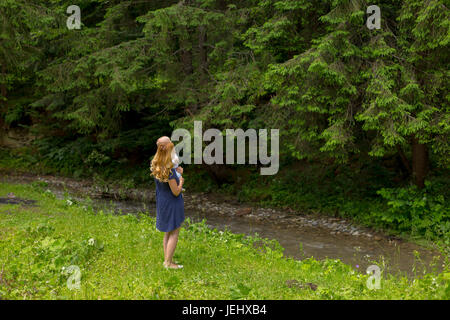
x: 169, y: 200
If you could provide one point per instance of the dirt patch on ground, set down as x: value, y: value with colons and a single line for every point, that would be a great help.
x: 293, y: 283
x: 16, y: 200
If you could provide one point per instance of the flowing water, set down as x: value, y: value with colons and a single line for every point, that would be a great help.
x: 393, y: 256
x: 299, y: 241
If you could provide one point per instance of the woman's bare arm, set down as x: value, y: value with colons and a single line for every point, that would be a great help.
x: 176, y: 189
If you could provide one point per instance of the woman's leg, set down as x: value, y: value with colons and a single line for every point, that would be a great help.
x: 166, y: 239
x: 171, y: 245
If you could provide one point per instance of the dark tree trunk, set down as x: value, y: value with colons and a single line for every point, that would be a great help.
x: 419, y: 162
x: 222, y: 5
x: 404, y: 161
x: 3, y: 84
x: 202, y: 50
x: 186, y: 60
x: 3, y: 92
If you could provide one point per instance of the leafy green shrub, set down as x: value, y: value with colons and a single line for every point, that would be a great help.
x: 417, y: 211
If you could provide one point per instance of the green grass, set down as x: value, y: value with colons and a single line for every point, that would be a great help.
x: 370, y: 195
x: 120, y: 257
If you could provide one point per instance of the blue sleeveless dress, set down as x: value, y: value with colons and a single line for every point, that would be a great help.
x: 169, y: 209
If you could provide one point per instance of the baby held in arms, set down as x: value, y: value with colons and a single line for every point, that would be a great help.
x: 176, y: 163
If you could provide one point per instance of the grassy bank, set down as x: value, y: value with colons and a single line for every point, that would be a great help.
x: 120, y: 257
x: 373, y: 196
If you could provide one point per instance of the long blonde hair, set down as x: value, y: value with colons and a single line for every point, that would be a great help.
x: 162, y: 162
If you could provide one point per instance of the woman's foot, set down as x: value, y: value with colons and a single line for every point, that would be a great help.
x: 172, y: 265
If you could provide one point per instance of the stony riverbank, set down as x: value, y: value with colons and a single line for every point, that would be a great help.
x: 203, y: 202
x: 301, y: 235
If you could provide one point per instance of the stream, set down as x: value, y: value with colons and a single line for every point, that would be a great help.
x: 301, y: 235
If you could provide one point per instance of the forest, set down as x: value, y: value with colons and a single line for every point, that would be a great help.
x: 363, y: 113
